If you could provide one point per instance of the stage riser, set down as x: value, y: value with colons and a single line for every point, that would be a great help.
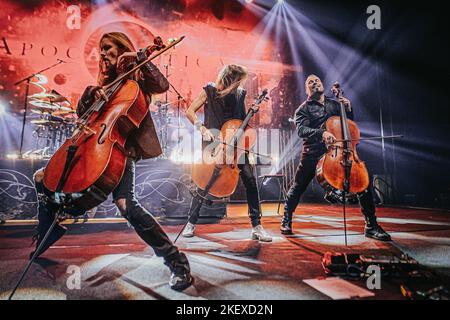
x: 162, y: 187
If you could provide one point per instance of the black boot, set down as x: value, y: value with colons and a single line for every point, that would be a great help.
x: 375, y: 231
x: 372, y: 229
x: 56, y: 234
x: 152, y: 233
x: 46, y: 214
x: 181, y: 271
x: 286, y: 224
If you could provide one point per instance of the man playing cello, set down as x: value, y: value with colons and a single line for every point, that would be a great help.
x: 117, y: 55
x: 309, y: 118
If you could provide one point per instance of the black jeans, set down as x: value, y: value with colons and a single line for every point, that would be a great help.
x: 143, y: 222
x: 249, y: 181
x: 305, y: 173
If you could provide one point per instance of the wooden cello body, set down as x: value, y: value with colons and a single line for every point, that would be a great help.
x: 100, y: 158
x: 330, y: 169
x: 218, y: 174
x: 90, y: 164
x: 225, y: 158
x: 340, y: 171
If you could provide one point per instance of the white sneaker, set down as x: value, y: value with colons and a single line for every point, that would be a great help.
x: 258, y: 233
x: 188, y: 231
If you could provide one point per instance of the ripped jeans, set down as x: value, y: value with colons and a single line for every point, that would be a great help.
x: 143, y: 222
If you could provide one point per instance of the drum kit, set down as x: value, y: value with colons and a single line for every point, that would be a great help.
x: 167, y: 121
x: 55, y: 122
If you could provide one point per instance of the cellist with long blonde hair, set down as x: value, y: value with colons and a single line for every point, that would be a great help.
x: 223, y: 100
x: 118, y: 55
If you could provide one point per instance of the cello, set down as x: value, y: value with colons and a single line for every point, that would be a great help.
x: 90, y: 164
x: 340, y: 171
x: 218, y: 175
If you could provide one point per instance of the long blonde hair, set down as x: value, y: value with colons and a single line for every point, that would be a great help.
x: 230, y: 78
x: 122, y: 42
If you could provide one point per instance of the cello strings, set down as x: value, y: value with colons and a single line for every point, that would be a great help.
x: 84, y: 118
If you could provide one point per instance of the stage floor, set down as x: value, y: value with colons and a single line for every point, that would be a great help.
x: 115, y: 264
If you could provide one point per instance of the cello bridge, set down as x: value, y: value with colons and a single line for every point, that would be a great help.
x: 86, y: 129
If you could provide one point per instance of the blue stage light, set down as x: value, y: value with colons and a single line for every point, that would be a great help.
x: 2, y: 109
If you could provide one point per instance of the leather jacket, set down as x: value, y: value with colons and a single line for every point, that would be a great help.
x: 310, y: 120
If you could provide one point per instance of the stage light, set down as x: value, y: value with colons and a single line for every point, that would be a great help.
x: 180, y: 157
x: 280, y: 1
x: 248, y: 1
x: 2, y: 110
x: 12, y: 156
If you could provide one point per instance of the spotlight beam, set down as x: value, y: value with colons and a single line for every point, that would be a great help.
x: 268, y: 23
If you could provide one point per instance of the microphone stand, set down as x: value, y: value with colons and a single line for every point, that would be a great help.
x: 27, y: 80
x: 179, y: 98
x: 167, y: 77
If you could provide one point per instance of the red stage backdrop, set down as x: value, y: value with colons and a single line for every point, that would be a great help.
x: 35, y: 36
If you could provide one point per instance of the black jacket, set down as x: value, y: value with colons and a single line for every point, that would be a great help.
x: 310, y: 118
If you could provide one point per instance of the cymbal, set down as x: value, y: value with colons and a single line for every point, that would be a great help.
x: 40, y: 111
x: 65, y: 109
x: 52, y: 97
x: 58, y: 97
x: 64, y: 112
x: 43, y: 122
x: 46, y: 107
x: 40, y: 96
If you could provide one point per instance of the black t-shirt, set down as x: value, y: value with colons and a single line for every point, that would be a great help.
x: 218, y: 110
x: 230, y: 103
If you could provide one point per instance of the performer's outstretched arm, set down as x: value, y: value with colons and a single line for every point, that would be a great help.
x: 151, y: 79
